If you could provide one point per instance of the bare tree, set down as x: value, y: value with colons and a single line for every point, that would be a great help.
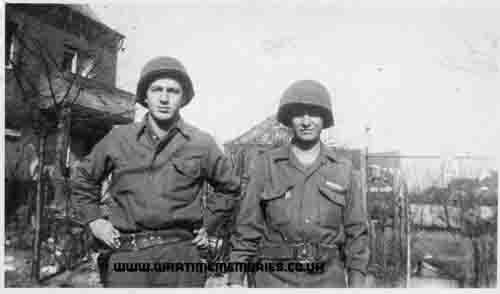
x: 50, y: 91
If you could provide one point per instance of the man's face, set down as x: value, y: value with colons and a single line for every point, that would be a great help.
x: 164, y: 98
x: 307, y: 124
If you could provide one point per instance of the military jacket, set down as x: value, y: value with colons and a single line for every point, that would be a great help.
x: 155, y: 182
x: 287, y: 203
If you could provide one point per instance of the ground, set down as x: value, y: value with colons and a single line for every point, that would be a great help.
x: 17, y: 269
x: 444, y: 258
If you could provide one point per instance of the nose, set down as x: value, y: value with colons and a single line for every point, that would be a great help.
x: 164, y: 97
x: 306, y: 119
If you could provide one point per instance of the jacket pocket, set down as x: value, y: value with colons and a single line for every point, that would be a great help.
x: 337, y: 197
x: 190, y: 168
x: 332, y: 204
x: 182, y: 179
x: 276, y: 205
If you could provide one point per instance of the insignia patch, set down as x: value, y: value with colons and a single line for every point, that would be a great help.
x: 335, y: 186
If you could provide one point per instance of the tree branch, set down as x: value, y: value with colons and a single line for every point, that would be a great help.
x: 94, y: 66
x: 48, y: 73
x: 76, y: 96
x: 68, y: 90
x: 17, y: 75
x: 17, y: 69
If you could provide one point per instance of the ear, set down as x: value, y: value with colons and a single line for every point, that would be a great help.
x: 322, y: 122
x: 183, y: 99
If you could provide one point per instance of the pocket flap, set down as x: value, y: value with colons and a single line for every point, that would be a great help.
x: 335, y: 187
x: 336, y: 197
x: 188, y: 167
x: 276, y: 192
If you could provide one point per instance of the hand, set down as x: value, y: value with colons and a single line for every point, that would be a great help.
x: 356, y: 279
x: 104, y: 231
x: 201, y: 239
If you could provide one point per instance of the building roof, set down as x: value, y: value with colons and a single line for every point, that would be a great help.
x: 267, y: 132
x: 85, y: 10
x: 45, y: 9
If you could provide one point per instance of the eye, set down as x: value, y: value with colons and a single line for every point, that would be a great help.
x: 173, y: 90
x: 155, y: 89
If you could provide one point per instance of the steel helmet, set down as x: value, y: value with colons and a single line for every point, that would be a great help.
x: 168, y: 67
x: 306, y: 93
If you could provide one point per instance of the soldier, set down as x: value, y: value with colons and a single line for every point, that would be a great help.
x: 158, y: 168
x: 303, y: 205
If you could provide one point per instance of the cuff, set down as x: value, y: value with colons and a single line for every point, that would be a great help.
x: 358, y: 267
x: 358, y: 262
x: 91, y: 215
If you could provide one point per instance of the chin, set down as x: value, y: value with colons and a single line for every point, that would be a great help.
x: 162, y: 117
x: 309, y: 139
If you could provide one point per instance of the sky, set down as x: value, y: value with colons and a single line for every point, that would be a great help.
x: 425, y: 80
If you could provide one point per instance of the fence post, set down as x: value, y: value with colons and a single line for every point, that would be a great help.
x: 364, y: 177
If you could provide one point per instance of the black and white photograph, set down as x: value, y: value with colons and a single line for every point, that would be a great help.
x: 250, y: 144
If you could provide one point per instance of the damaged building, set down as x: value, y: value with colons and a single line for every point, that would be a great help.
x: 55, y: 52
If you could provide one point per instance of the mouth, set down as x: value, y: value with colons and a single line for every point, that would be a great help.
x: 164, y: 110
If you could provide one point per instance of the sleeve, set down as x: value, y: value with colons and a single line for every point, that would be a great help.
x: 86, y: 182
x: 356, y: 229
x: 220, y: 172
x: 249, y: 222
x: 223, y: 199
x: 219, y: 210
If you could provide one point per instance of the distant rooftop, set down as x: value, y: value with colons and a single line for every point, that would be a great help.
x: 85, y: 10
x: 267, y: 132
x: 46, y: 9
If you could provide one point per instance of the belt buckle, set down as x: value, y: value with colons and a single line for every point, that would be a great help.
x: 305, y: 254
x: 127, y: 242
x: 154, y: 239
x: 133, y: 242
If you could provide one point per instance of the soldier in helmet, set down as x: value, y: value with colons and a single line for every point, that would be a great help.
x: 158, y: 168
x: 303, y: 208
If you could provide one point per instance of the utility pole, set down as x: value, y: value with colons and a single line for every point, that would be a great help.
x: 364, y: 165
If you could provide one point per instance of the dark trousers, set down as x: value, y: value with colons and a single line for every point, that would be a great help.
x: 137, y: 277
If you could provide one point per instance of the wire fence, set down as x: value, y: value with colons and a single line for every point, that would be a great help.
x: 453, y: 220
x: 387, y: 206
